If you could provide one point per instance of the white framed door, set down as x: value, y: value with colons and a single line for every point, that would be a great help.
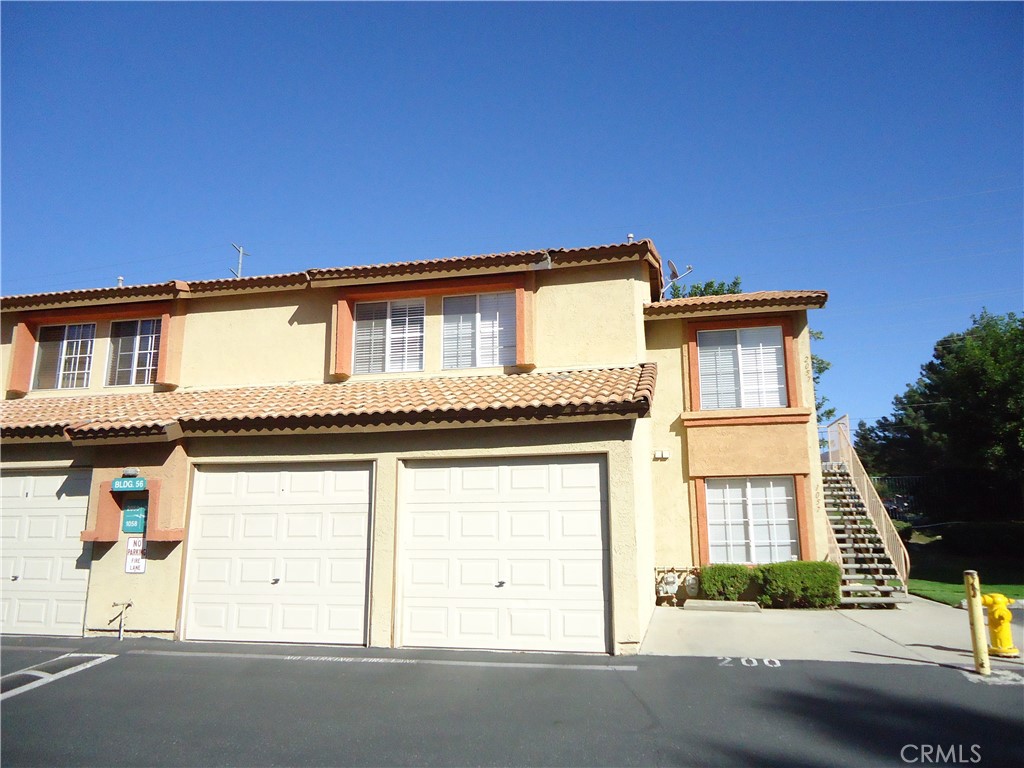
x: 504, y: 554
x: 45, y: 565
x: 279, y: 554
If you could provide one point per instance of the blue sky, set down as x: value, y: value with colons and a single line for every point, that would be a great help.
x: 874, y: 151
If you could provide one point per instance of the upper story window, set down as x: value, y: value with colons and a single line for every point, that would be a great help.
x: 742, y: 368
x: 388, y: 336
x: 134, y: 349
x: 64, y: 356
x: 479, y: 330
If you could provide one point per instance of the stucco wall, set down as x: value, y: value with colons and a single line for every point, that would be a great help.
x: 257, y: 339
x: 644, y: 520
x: 670, y: 491
x: 590, y: 317
x: 816, y: 492
x: 724, y: 449
x: 6, y: 347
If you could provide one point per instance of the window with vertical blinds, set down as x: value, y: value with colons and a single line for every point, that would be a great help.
x: 64, y: 356
x: 134, y: 352
x: 751, y: 520
x: 743, y: 368
x: 388, y: 336
x: 479, y: 330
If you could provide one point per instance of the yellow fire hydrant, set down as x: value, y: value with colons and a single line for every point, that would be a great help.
x: 999, y: 625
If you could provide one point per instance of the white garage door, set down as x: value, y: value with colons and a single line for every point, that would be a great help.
x: 45, y: 567
x: 505, y: 555
x: 279, y: 554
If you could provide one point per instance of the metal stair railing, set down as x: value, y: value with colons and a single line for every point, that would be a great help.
x: 840, y: 451
x: 835, y: 554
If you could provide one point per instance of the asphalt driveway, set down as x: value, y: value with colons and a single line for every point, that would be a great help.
x: 174, y: 704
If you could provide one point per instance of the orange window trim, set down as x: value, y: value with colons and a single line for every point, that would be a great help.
x: 760, y: 321
x: 172, y: 341
x: 749, y: 421
x: 26, y: 334
x: 800, y: 496
x: 345, y: 314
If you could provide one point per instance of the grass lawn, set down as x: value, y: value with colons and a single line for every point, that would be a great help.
x: 939, y: 575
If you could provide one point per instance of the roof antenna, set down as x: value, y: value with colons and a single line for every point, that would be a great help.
x: 241, y: 253
x: 629, y: 238
x: 674, y: 276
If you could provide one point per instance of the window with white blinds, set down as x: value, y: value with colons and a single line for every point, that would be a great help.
x: 388, y: 336
x: 742, y: 368
x: 751, y: 520
x: 479, y: 330
x: 64, y: 356
x: 134, y: 352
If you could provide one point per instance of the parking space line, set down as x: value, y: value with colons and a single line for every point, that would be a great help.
x: 43, y: 677
x: 378, y: 660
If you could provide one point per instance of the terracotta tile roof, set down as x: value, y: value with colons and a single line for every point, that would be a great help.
x: 394, y: 401
x: 149, y: 291
x: 511, y: 259
x: 784, y: 299
x: 293, y: 280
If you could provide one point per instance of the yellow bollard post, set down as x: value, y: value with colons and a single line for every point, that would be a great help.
x: 999, y: 617
x: 973, y: 588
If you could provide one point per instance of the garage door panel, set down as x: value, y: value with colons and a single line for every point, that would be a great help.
x: 509, y: 525
x: 45, y: 567
x: 505, y: 555
x: 283, y: 559
x: 520, y: 625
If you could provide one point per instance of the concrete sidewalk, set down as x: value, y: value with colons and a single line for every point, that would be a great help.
x: 919, y: 632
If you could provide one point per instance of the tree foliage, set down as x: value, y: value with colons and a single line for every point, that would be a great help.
x: 820, y: 365
x: 961, y: 424
x: 710, y: 288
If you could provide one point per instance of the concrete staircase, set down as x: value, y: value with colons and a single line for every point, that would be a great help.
x: 869, y: 577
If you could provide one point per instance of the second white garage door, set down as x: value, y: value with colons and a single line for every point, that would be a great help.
x: 505, y: 555
x: 279, y: 554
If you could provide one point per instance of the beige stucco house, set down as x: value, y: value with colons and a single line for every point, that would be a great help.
x: 491, y: 452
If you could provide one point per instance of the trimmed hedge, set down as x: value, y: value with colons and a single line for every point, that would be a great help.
x: 904, y: 529
x: 725, y: 581
x: 796, y: 584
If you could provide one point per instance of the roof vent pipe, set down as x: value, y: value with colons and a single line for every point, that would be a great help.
x: 120, y: 281
x: 629, y: 238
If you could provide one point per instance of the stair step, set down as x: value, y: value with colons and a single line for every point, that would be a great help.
x: 868, y: 553
x: 851, y: 570
x: 873, y: 600
x: 870, y: 588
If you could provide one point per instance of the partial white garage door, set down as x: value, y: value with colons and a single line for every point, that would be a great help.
x: 504, y: 555
x: 279, y: 554
x: 45, y: 567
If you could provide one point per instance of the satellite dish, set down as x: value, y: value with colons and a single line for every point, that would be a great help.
x: 673, y: 273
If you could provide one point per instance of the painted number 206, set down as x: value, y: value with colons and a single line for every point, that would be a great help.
x: 727, y: 661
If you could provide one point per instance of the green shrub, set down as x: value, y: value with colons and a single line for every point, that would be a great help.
x: 983, y: 539
x: 798, y: 584
x: 904, y: 529
x: 725, y: 581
